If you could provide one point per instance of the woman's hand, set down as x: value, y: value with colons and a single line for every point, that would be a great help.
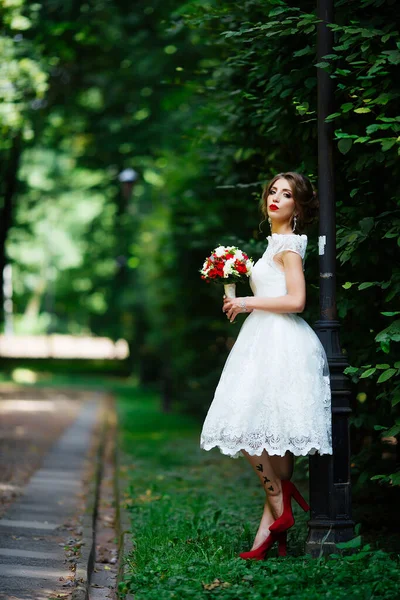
x: 233, y: 306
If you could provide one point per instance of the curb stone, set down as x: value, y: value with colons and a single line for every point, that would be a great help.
x: 122, y: 522
x: 85, y: 562
x: 125, y: 545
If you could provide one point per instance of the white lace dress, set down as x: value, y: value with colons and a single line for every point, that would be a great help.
x: 274, y: 391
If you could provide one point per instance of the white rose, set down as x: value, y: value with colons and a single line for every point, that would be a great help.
x: 228, y: 267
x: 220, y: 251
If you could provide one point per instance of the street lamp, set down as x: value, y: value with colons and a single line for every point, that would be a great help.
x: 330, y: 488
x: 126, y: 231
x: 128, y: 178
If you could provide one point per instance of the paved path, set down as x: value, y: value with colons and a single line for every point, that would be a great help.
x: 36, y: 529
x: 31, y: 421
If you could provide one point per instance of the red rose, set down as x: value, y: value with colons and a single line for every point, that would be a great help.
x: 241, y: 268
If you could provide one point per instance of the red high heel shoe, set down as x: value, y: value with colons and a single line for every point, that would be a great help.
x: 286, y: 520
x: 260, y: 552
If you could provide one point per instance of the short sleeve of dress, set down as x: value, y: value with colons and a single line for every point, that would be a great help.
x: 294, y: 243
x: 278, y: 243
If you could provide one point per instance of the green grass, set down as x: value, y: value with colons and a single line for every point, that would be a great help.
x: 194, y: 511
x: 61, y: 376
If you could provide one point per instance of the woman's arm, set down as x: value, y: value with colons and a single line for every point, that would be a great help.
x: 293, y: 302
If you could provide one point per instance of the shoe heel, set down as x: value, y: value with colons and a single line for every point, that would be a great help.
x: 282, y: 544
x: 299, y: 499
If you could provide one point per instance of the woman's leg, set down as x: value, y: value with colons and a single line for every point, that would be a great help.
x: 270, y: 470
x: 272, y: 486
x: 283, y: 465
x: 270, y: 480
x: 263, y: 529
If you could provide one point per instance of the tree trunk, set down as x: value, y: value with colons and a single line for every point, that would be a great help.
x: 6, y: 211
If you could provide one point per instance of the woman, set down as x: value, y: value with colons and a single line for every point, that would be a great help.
x: 273, y: 400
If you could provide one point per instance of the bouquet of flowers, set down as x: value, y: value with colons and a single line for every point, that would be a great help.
x: 227, y: 265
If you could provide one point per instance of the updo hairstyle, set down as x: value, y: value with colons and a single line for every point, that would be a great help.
x: 304, y: 195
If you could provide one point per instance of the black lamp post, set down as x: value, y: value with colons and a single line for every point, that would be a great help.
x: 122, y: 318
x: 330, y: 491
x: 127, y: 178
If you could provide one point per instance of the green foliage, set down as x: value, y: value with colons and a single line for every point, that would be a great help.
x: 49, y: 244
x: 261, y: 108
x: 23, y: 75
x: 206, y: 102
x: 367, y: 130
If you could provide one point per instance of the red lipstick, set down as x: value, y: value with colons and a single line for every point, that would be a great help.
x: 273, y: 207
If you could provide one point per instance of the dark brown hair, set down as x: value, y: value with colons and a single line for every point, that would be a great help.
x: 304, y: 196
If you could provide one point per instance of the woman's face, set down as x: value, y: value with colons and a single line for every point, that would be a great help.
x: 280, y: 201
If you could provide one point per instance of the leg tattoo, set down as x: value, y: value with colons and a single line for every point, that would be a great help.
x: 266, y: 480
x: 259, y: 467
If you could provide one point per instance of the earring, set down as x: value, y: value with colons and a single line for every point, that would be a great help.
x: 269, y: 221
x: 294, y: 222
